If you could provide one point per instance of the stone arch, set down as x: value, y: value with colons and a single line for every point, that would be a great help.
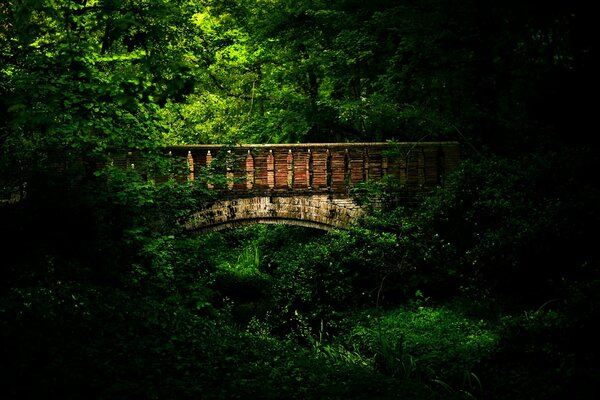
x: 316, y: 211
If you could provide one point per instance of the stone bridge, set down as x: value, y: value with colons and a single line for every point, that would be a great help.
x: 309, y: 185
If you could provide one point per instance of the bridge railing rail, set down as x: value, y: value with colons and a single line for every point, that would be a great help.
x: 316, y: 167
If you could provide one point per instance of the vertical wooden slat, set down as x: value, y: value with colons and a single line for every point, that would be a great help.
x: 260, y: 170
x: 338, y: 168
x: 430, y: 154
x: 319, y: 168
x: 310, y: 169
x: 357, y: 166
x: 280, y: 173
x: 249, y: 171
x: 374, y: 163
x: 420, y: 166
x: 271, y: 170
x: 290, y: 169
x: 301, y: 169
x: 412, y: 172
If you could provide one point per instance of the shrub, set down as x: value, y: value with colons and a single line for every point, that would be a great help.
x: 428, y: 343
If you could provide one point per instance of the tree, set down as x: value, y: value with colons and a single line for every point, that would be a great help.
x: 80, y: 77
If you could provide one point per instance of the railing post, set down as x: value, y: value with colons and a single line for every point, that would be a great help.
x: 249, y: 171
x: 190, y: 163
x: 229, y: 170
x: 290, y: 169
x: 271, y: 170
x: 208, y: 163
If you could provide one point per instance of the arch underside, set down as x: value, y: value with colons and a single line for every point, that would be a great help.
x: 266, y: 221
x: 317, y: 211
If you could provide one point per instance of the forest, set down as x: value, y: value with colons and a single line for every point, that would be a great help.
x: 486, y: 288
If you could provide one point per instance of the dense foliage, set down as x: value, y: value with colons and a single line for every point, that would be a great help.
x: 486, y: 288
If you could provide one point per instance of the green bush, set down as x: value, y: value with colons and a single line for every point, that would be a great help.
x: 425, y: 342
x: 534, y: 358
x: 501, y: 228
x: 327, y: 278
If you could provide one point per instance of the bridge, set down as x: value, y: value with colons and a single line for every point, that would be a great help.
x: 310, y: 185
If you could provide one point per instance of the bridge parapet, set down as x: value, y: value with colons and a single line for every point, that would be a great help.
x: 319, y: 167
x: 308, y: 185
